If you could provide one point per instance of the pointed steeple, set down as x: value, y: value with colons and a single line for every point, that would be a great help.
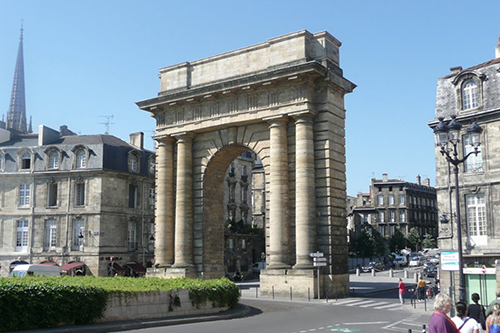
x: 30, y: 127
x: 16, y: 117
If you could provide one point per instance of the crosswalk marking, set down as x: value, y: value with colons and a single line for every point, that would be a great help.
x: 345, y: 302
x: 359, y: 303
x: 374, y: 304
x: 388, y: 306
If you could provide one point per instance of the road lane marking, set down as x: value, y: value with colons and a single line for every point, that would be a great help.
x: 367, y: 323
x: 374, y: 304
x: 345, y: 302
x: 359, y: 303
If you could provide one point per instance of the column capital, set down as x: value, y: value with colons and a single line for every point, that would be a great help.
x: 275, y: 121
x: 163, y: 139
x: 184, y: 136
x: 303, y: 117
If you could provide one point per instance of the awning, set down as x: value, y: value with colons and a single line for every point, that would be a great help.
x: 15, y: 263
x: 118, y: 268
x: 137, y: 267
x: 68, y: 267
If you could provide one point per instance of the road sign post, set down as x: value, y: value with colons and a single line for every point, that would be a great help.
x: 318, y: 261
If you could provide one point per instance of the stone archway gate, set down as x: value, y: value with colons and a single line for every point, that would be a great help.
x: 284, y: 99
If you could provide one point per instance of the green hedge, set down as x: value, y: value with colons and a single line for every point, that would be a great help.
x: 39, y: 302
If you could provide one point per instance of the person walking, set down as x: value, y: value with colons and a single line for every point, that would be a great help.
x: 465, y: 324
x: 421, y: 289
x: 476, y: 311
x: 493, y: 321
x: 401, y: 290
x: 440, y: 322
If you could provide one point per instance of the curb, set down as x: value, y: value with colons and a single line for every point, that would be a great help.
x: 240, y: 311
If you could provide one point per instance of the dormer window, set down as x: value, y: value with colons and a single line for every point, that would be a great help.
x: 133, y: 162
x: 26, y: 161
x: 152, y: 165
x: 81, y: 159
x: 470, y: 95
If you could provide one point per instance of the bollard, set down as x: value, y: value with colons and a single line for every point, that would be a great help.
x: 406, y: 273
x: 373, y: 271
x: 290, y: 293
x: 409, y: 330
x: 391, y: 273
x: 336, y: 296
x: 326, y: 296
x: 309, y: 294
x: 423, y: 328
x: 358, y: 272
x: 425, y: 303
x: 256, y: 292
x: 273, y: 292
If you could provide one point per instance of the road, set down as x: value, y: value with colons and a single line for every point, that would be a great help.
x: 378, y: 314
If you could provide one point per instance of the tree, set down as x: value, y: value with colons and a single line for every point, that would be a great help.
x: 365, y: 244
x: 414, y: 239
x: 429, y: 241
x: 379, y: 244
x: 397, y: 241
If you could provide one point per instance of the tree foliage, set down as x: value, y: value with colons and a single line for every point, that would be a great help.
x: 397, y: 241
x: 365, y: 246
x: 414, y: 239
x: 429, y: 241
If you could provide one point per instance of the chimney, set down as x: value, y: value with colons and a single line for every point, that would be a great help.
x: 384, y: 177
x: 419, y: 180
x: 455, y: 70
x: 497, y: 49
x: 137, y: 140
x: 427, y: 182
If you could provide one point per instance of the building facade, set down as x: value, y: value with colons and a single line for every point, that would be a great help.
x: 83, y: 202
x: 396, y: 204
x: 472, y: 94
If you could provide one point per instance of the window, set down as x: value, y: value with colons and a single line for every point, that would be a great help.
x: 476, y: 217
x: 26, y: 161
x: 24, y: 195
x: 380, y: 199
x: 401, y: 216
x: 152, y: 197
x: 77, y: 235
x: 52, y: 195
x: 392, y: 215
x: 243, y: 170
x: 469, y: 95
x: 401, y: 199
x: 133, y: 163
x: 81, y: 159
x: 391, y: 199
x: 381, y: 229
x: 22, y: 236
x: 244, y: 244
x: 131, y: 236
x: 474, y: 163
x: 392, y: 230
x: 80, y: 194
x: 231, y: 244
x: 152, y: 165
x: 132, y: 196
x: 53, y: 160
x: 381, y: 217
x: 50, y: 235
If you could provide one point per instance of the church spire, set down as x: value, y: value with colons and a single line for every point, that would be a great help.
x: 16, y: 117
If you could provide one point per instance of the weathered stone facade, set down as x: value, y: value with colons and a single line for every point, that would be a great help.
x: 472, y: 93
x: 284, y: 100
x: 57, y: 186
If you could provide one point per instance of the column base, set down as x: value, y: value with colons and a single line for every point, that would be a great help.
x: 173, y: 272
x: 303, y: 265
x: 278, y: 265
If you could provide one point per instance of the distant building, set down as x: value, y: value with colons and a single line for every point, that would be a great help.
x: 468, y: 94
x: 395, y: 204
x: 85, y: 202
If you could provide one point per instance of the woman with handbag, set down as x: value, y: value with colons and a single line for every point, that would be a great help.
x: 465, y: 324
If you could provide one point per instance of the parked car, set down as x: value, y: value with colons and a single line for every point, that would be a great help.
x: 430, y: 271
x: 436, y: 259
x: 400, y: 260
x: 373, y: 264
x: 416, y: 261
x: 429, y: 264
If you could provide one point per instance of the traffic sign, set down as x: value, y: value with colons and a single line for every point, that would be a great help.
x: 483, y: 269
x: 317, y: 264
x: 319, y: 259
x: 316, y: 254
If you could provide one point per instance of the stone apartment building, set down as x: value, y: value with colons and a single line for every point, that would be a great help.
x: 472, y: 94
x: 395, y: 204
x: 76, y: 201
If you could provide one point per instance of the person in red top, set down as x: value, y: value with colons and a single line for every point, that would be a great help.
x: 402, y: 290
x: 440, y: 322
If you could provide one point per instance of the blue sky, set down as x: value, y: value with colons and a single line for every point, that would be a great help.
x: 86, y: 59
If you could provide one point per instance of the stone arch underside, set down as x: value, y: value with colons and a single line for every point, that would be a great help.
x: 213, y: 152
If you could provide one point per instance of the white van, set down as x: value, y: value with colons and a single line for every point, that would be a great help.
x: 41, y: 270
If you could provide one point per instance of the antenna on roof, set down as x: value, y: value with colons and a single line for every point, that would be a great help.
x: 107, y: 122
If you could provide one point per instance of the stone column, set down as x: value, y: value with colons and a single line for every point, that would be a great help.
x: 279, y: 224
x: 164, y: 234
x: 184, y: 203
x: 305, y: 191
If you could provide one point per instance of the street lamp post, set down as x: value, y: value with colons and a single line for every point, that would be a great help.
x: 447, y: 133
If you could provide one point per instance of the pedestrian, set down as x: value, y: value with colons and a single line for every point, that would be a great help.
x: 440, y: 322
x: 490, y: 307
x: 421, y: 289
x: 465, y: 324
x: 476, y: 311
x: 493, y: 321
x: 401, y: 290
